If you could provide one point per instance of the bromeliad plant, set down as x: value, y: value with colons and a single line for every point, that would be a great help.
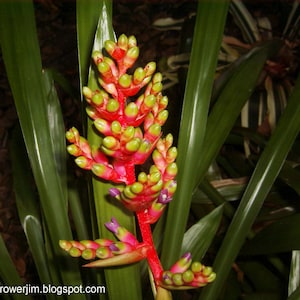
x: 129, y: 111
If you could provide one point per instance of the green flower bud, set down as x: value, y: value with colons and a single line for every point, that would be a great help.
x: 169, y: 140
x: 131, y: 56
x: 177, y: 279
x: 131, y: 110
x: 171, y: 170
x: 150, y: 68
x: 154, y: 177
x: 153, y: 169
x: 207, y: 271
x: 87, y: 92
x: 97, y: 99
x: 65, y: 245
x: 157, y: 187
x: 196, y: 267
x: 137, y: 187
x: 128, y: 133
x: 88, y: 254
x: 75, y: 252
x: 125, y: 81
x: 188, y: 276
x: 82, y: 162
x: 157, y: 77
x: 171, y: 154
x: 110, y: 46
x: 91, y: 112
x: 167, y: 277
x: 156, y: 88
x: 150, y: 101
x: 133, y: 145
x: 103, y: 252
x: 155, y: 130
x: 101, y: 125
x: 73, y: 150
x: 138, y: 75
x: 211, y: 277
x: 144, y: 147
x: 98, y: 169
x: 103, y: 67
x: 162, y: 117
x: 132, y: 41
x: 163, y: 103
x: 112, y: 105
x: 128, y: 193
x: 116, y: 127
x: 123, y: 41
x: 142, y: 177
x: 97, y: 57
x: 110, y: 142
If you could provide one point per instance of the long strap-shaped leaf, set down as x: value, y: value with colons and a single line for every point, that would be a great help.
x: 207, y: 38
x: 22, y: 59
x: 123, y: 283
x: 260, y: 184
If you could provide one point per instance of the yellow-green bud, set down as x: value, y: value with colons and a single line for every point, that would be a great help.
x: 97, y: 99
x: 150, y: 68
x: 188, y: 276
x: 142, y: 177
x: 133, y: 145
x: 163, y: 116
x: 81, y: 161
x: 150, y: 101
x: 207, y: 271
x: 109, y: 46
x: 125, y: 81
x: 156, y: 87
x: 131, y: 110
x: 138, y: 75
x: 128, y: 133
x: 132, y: 41
x: 137, y: 188
x: 101, y: 125
x: 154, y: 177
x: 196, y: 267
x: 163, y: 103
x: 116, y: 127
x: 177, y: 279
x: 123, y: 42
x: 87, y: 92
x: 110, y: 142
x: 157, y: 77
x: 112, y: 105
x: 155, y: 129
x: 103, y: 67
x: 131, y: 55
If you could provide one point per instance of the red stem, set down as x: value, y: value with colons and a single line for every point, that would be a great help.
x: 152, y: 257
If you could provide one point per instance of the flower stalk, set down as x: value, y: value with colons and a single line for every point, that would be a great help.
x: 129, y: 110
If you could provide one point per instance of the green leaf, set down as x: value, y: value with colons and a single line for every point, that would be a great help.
x: 280, y: 236
x: 31, y: 94
x: 28, y: 208
x: 8, y: 272
x: 199, y: 237
x: 263, y: 177
x: 294, y: 278
x: 207, y: 37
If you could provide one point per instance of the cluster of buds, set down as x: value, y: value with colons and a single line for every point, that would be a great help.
x: 187, y: 274
x: 128, y: 111
x: 124, y: 251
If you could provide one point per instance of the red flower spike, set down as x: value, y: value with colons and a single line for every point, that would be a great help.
x: 131, y: 131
